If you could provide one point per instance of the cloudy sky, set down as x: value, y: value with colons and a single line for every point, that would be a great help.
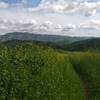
x: 61, y: 17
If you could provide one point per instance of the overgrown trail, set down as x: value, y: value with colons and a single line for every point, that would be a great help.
x: 86, y: 89
x: 85, y: 86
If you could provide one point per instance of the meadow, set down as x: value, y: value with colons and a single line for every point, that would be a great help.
x: 87, y: 65
x: 31, y: 71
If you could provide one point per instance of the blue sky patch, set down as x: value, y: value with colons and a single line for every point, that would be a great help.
x: 30, y: 3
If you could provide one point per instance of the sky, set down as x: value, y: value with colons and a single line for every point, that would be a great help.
x: 55, y: 17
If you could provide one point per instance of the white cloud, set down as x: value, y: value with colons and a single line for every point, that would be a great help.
x: 24, y: 1
x: 67, y: 6
x: 91, y: 25
x: 96, y: 23
x: 3, y: 5
x: 91, y: 28
x: 89, y: 8
x: 56, y: 6
x: 62, y: 17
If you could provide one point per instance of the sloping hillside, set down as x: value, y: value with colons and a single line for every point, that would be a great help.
x: 88, y: 44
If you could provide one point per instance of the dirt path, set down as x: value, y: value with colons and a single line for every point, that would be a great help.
x: 86, y: 90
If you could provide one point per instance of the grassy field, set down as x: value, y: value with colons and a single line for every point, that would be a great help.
x: 87, y: 65
x: 34, y: 72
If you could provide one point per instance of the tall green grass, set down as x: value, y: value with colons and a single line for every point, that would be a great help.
x: 87, y: 65
x: 35, y: 72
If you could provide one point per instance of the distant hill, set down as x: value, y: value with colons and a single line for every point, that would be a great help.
x: 89, y: 44
x: 55, y: 41
x: 40, y: 37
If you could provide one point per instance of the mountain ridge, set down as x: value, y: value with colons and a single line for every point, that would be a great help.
x: 38, y: 37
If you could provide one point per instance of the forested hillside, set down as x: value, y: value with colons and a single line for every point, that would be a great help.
x: 84, y: 45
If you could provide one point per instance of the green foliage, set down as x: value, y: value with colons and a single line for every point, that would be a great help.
x: 35, y: 72
x: 87, y: 65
